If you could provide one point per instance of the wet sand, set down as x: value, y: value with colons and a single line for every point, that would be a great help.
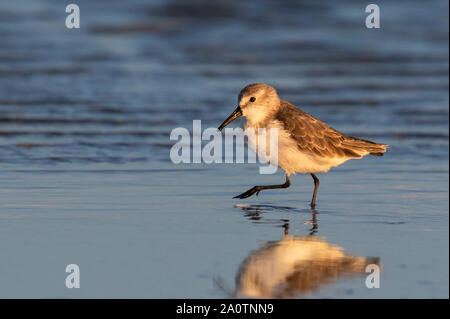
x: 85, y: 119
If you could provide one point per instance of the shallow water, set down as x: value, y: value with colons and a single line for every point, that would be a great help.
x: 85, y: 173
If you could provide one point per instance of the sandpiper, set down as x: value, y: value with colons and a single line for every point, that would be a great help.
x: 305, y: 144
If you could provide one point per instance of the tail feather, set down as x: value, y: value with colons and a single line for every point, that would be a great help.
x: 359, y: 145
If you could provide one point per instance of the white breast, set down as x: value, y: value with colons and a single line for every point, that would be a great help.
x: 290, y: 158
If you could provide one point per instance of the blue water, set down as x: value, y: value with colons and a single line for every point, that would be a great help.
x: 86, y: 177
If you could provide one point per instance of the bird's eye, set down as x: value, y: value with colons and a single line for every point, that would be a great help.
x: 252, y: 99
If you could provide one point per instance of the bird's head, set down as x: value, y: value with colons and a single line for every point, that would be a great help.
x: 255, y: 102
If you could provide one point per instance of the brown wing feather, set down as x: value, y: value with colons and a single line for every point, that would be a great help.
x: 312, y: 135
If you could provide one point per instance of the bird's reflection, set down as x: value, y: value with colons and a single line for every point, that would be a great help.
x: 255, y: 214
x: 294, y: 265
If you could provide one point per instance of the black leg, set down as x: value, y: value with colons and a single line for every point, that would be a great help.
x: 257, y: 189
x: 316, y: 188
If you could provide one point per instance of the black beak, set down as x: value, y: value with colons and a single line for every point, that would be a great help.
x: 236, y: 113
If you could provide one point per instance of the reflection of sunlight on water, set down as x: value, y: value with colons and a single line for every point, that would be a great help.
x: 294, y: 265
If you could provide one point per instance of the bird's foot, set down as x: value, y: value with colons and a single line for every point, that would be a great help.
x: 250, y: 192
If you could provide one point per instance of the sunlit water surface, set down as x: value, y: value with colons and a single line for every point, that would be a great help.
x: 86, y: 178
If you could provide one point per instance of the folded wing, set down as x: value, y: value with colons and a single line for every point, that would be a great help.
x: 315, y: 137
